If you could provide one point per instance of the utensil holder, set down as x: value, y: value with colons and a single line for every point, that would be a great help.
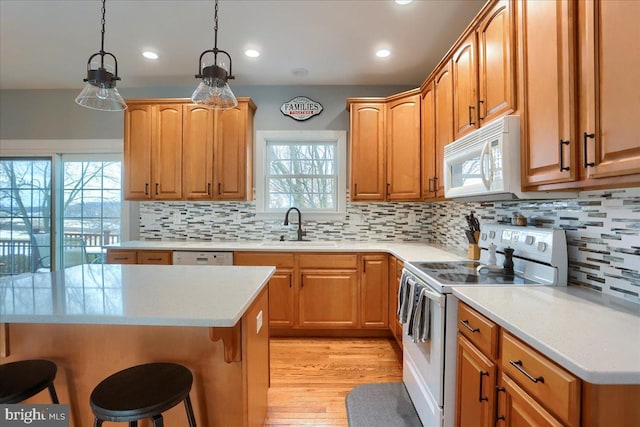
x: 473, y: 251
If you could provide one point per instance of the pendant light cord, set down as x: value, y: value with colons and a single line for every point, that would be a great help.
x: 104, y: 11
x: 215, y: 33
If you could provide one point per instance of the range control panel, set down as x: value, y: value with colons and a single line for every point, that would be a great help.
x: 547, y: 245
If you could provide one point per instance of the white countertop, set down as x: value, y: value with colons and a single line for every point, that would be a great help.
x: 133, y: 295
x: 404, y: 251
x: 595, y: 337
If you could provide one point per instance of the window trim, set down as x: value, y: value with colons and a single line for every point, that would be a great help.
x: 260, y: 168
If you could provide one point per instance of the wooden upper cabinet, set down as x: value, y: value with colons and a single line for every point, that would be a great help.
x: 496, y: 63
x: 548, y: 89
x: 431, y: 163
x: 137, y: 152
x: 609, y: 37
x: 166, y: 152
x: 403, y: 148
x: 197, y: 152
x: 443, y: 90
x: 465, y: 87
x: 233, y: 153
x: 366, y: 151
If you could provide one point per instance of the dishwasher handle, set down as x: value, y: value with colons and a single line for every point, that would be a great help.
x: 202, y: 258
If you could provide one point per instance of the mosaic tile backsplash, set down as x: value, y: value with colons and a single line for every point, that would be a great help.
x: 603, y: 228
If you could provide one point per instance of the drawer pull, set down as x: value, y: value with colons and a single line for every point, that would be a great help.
x: 120, y: 258
x: 465, y: 323
x: 480, y: 398
x: 518, y: 365
x: 154, y: 259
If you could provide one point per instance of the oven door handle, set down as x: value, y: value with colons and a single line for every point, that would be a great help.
x: 433, y: 296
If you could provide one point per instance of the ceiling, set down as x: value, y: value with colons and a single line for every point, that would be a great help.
x: 46, y: 44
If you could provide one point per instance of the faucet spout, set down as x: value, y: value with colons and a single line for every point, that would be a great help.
x: 286, y: 221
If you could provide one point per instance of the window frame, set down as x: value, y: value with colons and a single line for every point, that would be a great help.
x: 319, y: 136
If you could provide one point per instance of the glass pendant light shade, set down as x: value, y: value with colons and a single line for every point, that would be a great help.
x: 214, y: 93
x: 101, y: 98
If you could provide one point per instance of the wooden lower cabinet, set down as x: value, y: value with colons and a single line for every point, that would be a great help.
x: 521, y: 410
x: 322, y: 292
x: 328, y: 299
x: 115, y: 256
x: 475, y: 392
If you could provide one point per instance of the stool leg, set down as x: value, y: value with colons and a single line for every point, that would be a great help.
x: 97, y: 423
x: 158, y: 421
x: 187, y: 405
x: 54, y: 395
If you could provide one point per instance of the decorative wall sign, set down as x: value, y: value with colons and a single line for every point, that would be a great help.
x: 301, y: 108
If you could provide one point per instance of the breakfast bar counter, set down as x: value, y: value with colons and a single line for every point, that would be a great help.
x: 94, y: 320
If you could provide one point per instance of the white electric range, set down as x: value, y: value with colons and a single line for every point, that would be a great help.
x: 539, y: 259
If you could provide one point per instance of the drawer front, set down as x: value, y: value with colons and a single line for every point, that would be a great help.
x: 155, y: 257
x: 122, y: 257
x: 482, y: 332
x: 278, y: 260
x: 328, y: 261
x: 555, y: 388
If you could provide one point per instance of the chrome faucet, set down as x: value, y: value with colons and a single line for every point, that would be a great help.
x: 286, y: 221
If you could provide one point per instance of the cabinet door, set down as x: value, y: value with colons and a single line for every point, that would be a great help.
x: 431, y: 165
x: 281, y: 302
x: 465, y: 93
x: 475, y: 392
x: 521, y: 410
x: 138, y: 124
x: 366, y: 151
x: 122, y: 257
x: 328, y: 299
x: 444, y: 116
x: 403, y: 149
x: 496, y: 63
x: 610, y: 93
x: 393, y: 294
x: 197, y: 152
x: 231, y: 154
x: 374, y: 291
x: 548, y: 125
x: 166, y: 152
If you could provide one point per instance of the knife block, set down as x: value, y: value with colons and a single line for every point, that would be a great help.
x: 473, y: 251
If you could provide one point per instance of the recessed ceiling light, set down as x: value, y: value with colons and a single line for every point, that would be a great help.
x: 383, y: 53
x: 252, y: 53
x: 150, y: 55
x: 403, y: 2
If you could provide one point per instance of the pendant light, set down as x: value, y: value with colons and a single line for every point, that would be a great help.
x: 214, y: 91
x: 100, y: 93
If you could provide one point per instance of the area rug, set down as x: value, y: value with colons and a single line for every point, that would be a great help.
x: 381, y: 405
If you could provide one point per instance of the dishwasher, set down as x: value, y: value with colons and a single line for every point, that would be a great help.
x: 202, y: 258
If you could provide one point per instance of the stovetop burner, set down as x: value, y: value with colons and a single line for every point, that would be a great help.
x: 465, y: 272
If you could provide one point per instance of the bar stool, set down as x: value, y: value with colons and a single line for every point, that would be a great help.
x: 143, y: 391
x: 23, y: 379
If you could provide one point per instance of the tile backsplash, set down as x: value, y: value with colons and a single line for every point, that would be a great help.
x: 603, y: 228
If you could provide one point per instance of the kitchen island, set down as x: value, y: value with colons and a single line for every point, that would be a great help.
x: 93, y: 320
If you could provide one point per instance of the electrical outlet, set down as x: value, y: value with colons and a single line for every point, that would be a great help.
x: 259, y: 322
x: 411, y: 219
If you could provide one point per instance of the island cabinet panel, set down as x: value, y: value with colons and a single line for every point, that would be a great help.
x: 223, y: 394
x: 367, y: 151
x: 374, y: 291
x: 328, y: 299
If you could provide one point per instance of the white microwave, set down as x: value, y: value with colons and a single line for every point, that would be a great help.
x: 485, y: 164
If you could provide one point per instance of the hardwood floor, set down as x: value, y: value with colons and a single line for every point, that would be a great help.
x: 310, y: 377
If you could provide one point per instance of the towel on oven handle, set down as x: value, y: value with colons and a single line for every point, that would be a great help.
x: 406, y: 297
x: 420, y: 326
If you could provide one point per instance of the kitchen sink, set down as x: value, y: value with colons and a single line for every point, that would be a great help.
x: 297, y: 243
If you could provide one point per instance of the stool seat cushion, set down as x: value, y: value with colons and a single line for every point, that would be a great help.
x: 23, y: 379
x: 141, y: 391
